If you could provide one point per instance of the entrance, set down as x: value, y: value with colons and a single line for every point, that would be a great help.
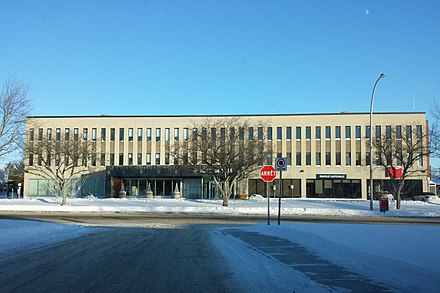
x: 160, y: 187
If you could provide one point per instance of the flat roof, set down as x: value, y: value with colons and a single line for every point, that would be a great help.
x: 222, y: 115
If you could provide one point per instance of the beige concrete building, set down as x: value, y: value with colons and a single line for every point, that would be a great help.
x: 327, y: 154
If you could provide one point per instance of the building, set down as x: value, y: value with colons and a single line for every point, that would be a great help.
x: 327, y: 154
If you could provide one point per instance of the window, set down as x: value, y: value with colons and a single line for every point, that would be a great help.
x: 49, y: 134
x: 139, y: 159
x: 289, y: 159
x: 112, y: 134
x: 176, y: 134
x: 328, y: 159
x: 157, y: 158
x: 398, y: 132
x: 328, y: 132
x: 298, y: 133
x: 157, y: 134
x: 288, y: 133
x: 358, y: 158
x: 269, y: 133
x: 112, y: 159
x: 408, y: 132
x: 338, y: 158
x: 419, y: 131
x: 76, y: 134
x: 148, y: 134
x: 140, y: 130
x: 367, y: 159
x: 308, y: 132
x: 130, y: 134
x: 318, y: 132
x: 222, y: 134
x: 232, y: 134
x: 338, y: 132
x: 130, y: 159
x: 167, y: 158
x: 347, y: 132
x: 185, y: 134
x: 148, y: 158
x: 279, y: 133
x: 347, y: 159
x: 388, y: 132
x: 121, y: 134
x: 58, y: 134
x: 378, y: 132
x: 251, y: 133
x: 269, y: 159
x: 420, y: 159
x: 367, y: 132
x: 94, y: 134
x: 308, y: 158
x: 121, y: 159
x: 85, y: 134
x: 298, y: 158
x: 240, y: 133
x: 214, y: 134
x: 102, y: 163
x: 67, y: 134
x: 176, y: 158
x: 93, y: 159
x: 103, y: 134
x: 167, y: 134
x: 195, y: 134
x: 40, y: 134
x: 318, y: 158
x: 31, y: 134
x: 31, y: 159
x: 260, y: 133
x: 358, y: 132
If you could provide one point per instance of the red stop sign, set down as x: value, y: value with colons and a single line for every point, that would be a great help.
x: 268, y: 173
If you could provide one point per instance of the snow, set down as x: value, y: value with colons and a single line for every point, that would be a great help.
x: 404, y: 257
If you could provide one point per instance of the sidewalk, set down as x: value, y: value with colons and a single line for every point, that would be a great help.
x: 316, y: 268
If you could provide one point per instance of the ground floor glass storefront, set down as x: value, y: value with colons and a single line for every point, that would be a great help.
x: 333, y: 188
x: 139, y: 186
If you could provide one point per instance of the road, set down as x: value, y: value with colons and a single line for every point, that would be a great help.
x: 122, y: 260
x: 158, y: 219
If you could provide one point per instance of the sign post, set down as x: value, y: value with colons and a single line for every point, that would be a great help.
x: 268, y: 174
x: 281, y: 165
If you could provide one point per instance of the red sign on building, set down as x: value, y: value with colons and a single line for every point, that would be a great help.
x: 268, y: 173
x: 394, y: 172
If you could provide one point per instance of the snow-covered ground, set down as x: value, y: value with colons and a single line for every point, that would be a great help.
x: 404, y: 256
x: 256, y: 205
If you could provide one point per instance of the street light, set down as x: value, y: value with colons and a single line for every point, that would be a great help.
x: 371, y: 140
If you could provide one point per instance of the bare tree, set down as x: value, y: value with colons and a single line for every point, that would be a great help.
x: 226, y: 149
x: 402, y: 151
x: 62, y: 161
x: 14, y: 107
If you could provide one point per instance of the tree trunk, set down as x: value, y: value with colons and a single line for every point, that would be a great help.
x: 226, y: 194
x: 64, y: 200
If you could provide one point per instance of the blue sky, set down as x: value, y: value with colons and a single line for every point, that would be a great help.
x: 221, y: 57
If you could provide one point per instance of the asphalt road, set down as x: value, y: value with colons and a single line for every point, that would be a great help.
x: 121, y: 260
x: 159, y: 219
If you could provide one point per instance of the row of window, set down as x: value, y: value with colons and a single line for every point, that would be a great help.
x: 250, y: 132
x: 269, y: 161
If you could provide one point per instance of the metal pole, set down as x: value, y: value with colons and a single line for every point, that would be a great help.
x: 371, y: 141
x: 279, y: 200
x: 268, y: 203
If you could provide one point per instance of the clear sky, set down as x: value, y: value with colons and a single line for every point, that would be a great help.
x: 131, y: 57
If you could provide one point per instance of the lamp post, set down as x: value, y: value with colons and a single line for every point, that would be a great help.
x: 371, y: 140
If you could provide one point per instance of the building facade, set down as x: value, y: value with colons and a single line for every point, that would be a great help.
x: 327, y: 154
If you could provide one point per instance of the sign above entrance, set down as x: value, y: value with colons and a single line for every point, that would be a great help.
x: 331, y: 176
x: 268, y: 173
